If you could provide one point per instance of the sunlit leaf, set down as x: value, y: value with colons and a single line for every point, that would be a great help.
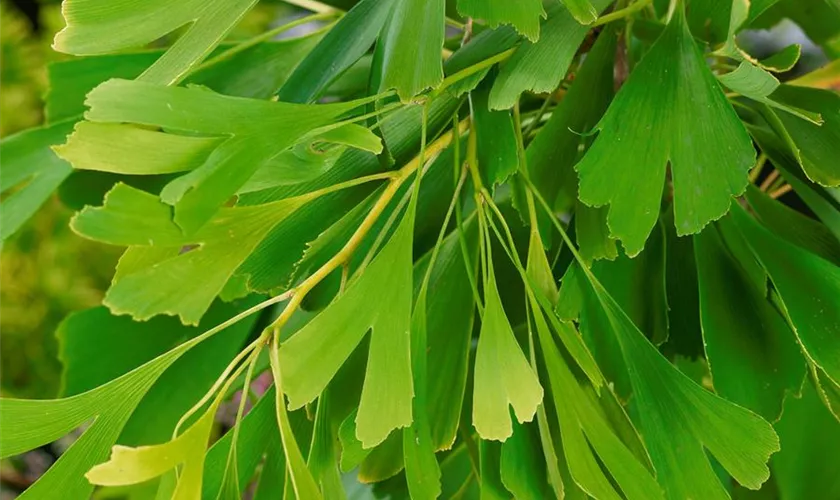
x: 312, y: 356
x: 99, y: 26
x: 175, y: 282
x: 503, y: 377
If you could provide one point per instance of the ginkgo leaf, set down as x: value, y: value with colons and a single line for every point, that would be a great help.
x: 503, y: 377
x: 681, y: 421
x: 100, y: 26
x: 520, y: 468
x: 523, y: 15
x: 813, y: 314
x: 255, y: 131
x: 752, y: 353
x: 313, y: 355
x: 174, y: 282
x: 685, y: 119
x: 540, y: 66
x: 419, y: 24
x: 31, y: 172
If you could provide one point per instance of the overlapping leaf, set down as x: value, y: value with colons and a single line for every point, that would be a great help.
x: 161, y: 279
x: 752, y: 353
x: 253, y: 133
x: 100, y: 26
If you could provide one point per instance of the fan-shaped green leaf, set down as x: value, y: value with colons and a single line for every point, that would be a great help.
x: 679, y: 419
x: 679, y: 110
x: 503, y: 377
x: 173, y: 282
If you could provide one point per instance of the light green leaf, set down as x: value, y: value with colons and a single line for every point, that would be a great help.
x: 257, y: 72
x: 343, y: 45
x: 310, y: 159
x: 137, y: 465
x: 31, y: 172
x: 686, y: 120
x: 587, y: 436
x: 523, y: 15
x: 100, y: 26
x: 182, y: 283
x: 752, y: 354
x: 418, y: 24
x: 256, y: 131
x: 312, y: 356
x: 503, y: 377
x: 125, y: 149
x: 679, y: 419
x: 812, y: 310
x: 540, y: 66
